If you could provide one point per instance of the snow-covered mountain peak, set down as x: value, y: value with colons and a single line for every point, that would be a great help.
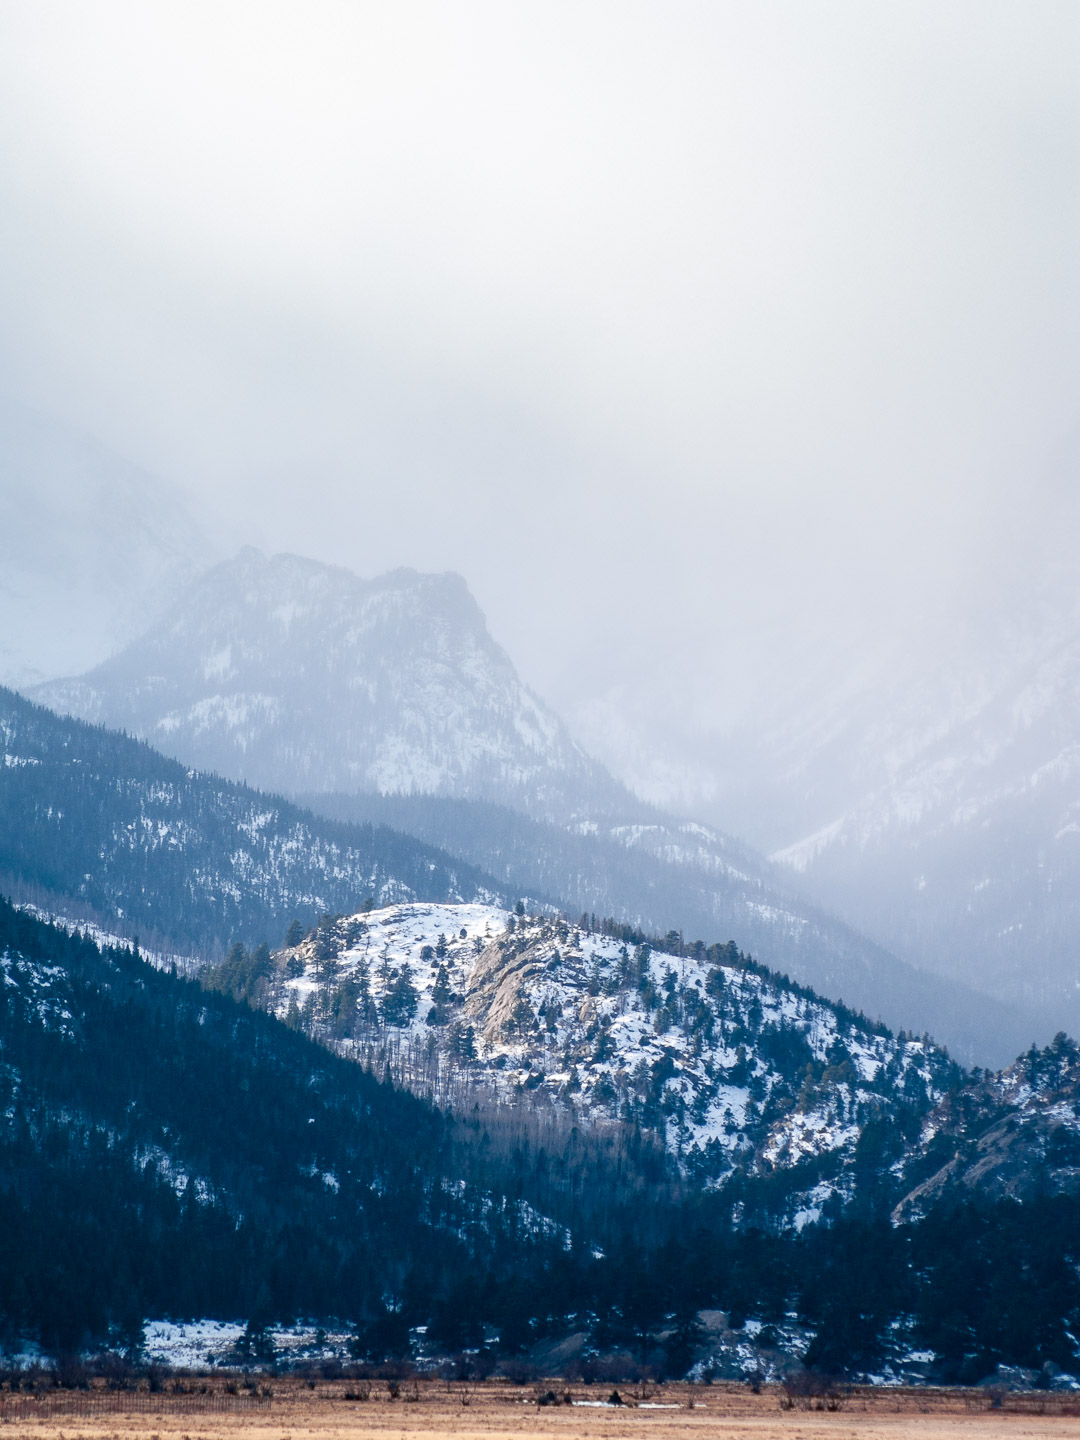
x: 298, y: 676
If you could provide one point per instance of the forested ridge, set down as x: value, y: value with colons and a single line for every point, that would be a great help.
x: 751, y: 1082
x: 165, y: 1150
x: 93, y: 818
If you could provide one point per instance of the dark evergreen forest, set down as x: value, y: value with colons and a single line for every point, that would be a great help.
x: 166, y: 1150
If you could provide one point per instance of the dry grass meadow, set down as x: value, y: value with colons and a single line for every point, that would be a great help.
x: 340, y: 1411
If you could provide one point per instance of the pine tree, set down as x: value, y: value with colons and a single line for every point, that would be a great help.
x: 366, y: 1012
x: 462, y: 1041
x: 440, y: 998
x: 401, y: 1000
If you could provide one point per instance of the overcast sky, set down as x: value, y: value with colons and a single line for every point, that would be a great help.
x: 687, y: 332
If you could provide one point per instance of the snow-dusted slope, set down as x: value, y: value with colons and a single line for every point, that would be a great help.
x: 98, y: 825
x: 91, y: 548
x: 964, y: 847
x: 741, y: 1073
x: 1002, y: 1134
x: 659, y: 873
x: 294, y: 675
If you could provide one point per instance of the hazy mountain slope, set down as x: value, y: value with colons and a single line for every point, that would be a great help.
x: 293, y: 675
x: 661, y: 874
x: 91, y: 548
x: 967, y: 851
x: 90, y: 818
x: 921, y: 779
x: 743, y: 1075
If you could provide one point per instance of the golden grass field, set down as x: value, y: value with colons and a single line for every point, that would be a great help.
x: 497, y: 1409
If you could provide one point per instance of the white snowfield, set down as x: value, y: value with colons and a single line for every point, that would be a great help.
x: 713, y: 1055
x: 195, y: 1344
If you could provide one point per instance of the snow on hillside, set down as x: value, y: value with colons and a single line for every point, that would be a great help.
x: 109, y: 939
x: 1001, y: 1132
x: 97, y: 827
x: 307, y: 680
x: 736, y: 1069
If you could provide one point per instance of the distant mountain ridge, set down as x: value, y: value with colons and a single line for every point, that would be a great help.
x: 293, y: 675
x: 964, y: 845
x: 929, y: 789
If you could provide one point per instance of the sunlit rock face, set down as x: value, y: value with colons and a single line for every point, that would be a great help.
x: 795, y: 1105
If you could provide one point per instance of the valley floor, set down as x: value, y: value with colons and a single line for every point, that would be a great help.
x: 497, y: 1409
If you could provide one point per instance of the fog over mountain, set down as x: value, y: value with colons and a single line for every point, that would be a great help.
x: 715, y: 348
x: 91, y: 547
x: 730, y: 354
x: 928, y: 793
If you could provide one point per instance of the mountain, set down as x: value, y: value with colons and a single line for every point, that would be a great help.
x: 168, y: 1151
x: 660, y: 874
x: 756, y: 1087
x: 966, y: 850
x: 97, y: 825
x: 292, y: 675
x: 1004, y: 1135
x: 91, y: 548
x: 388, y: 700
x: 786, y: 1109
